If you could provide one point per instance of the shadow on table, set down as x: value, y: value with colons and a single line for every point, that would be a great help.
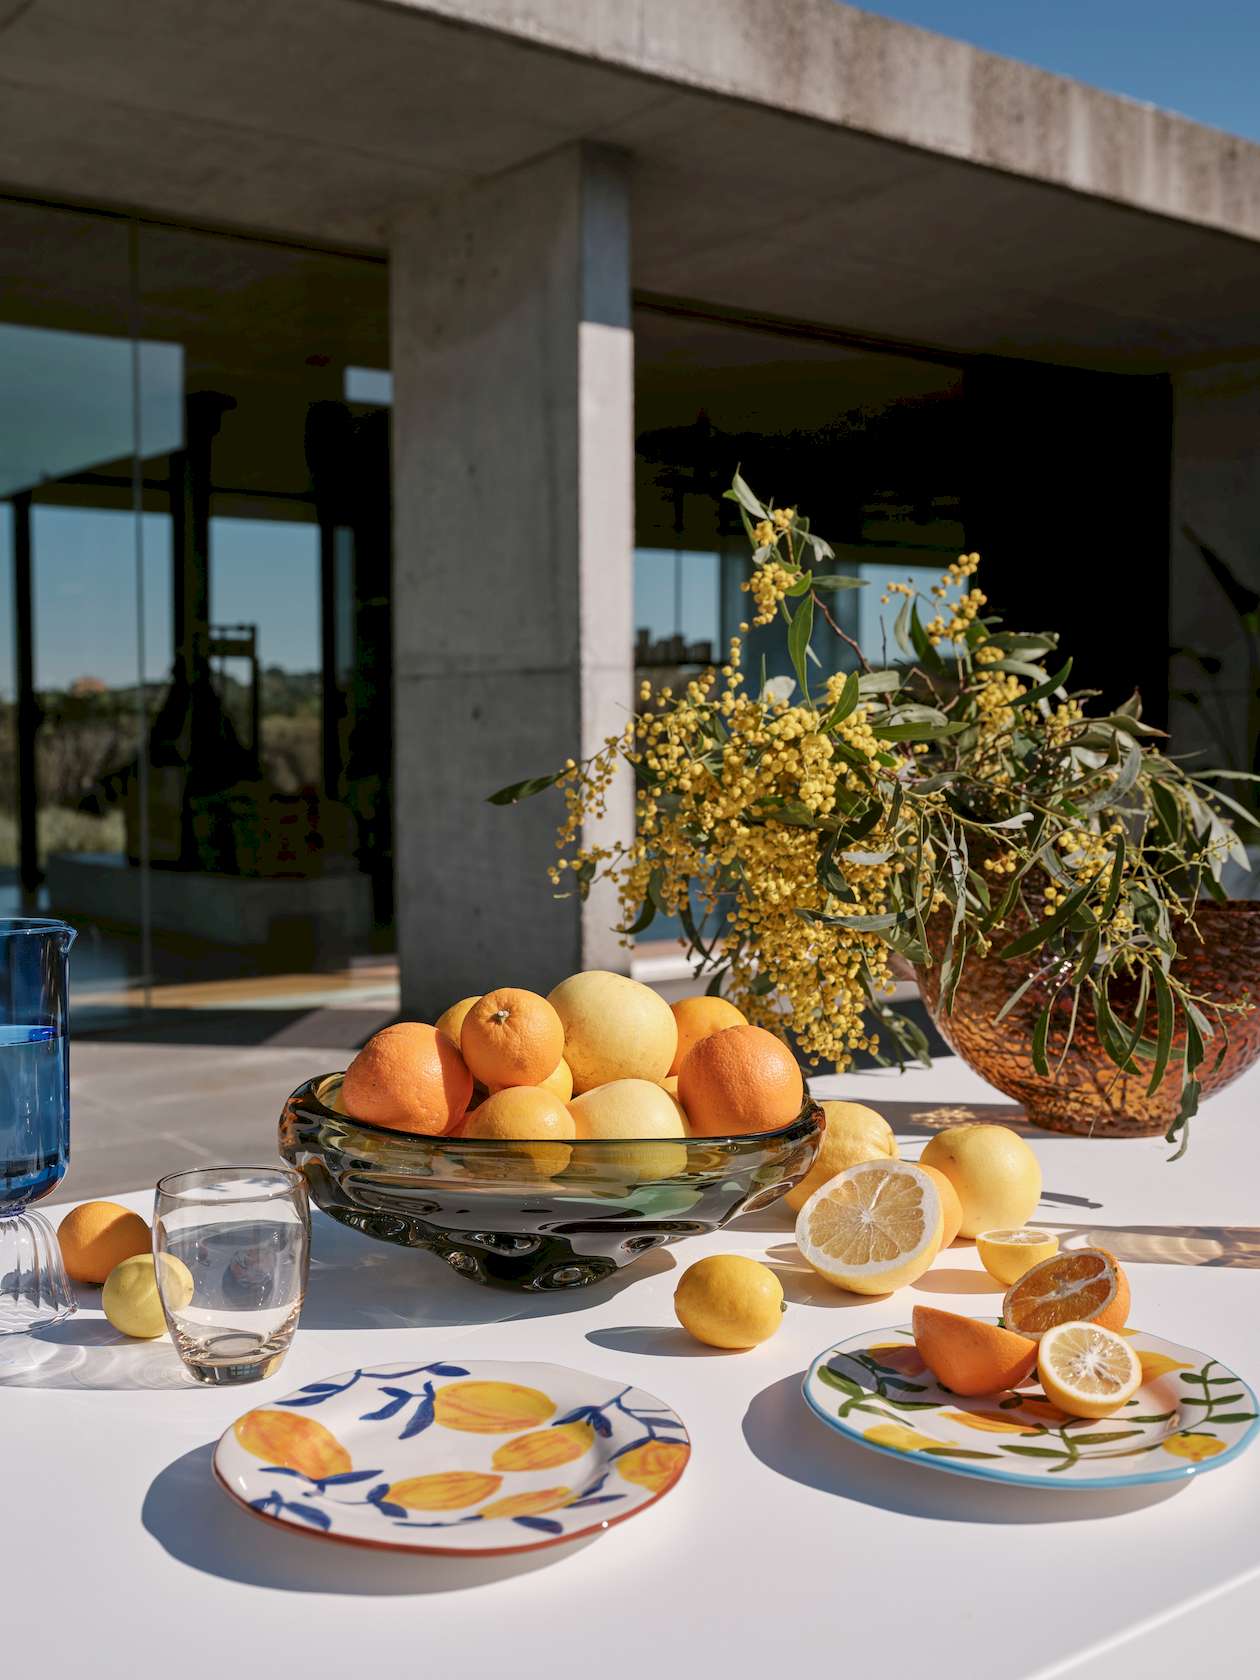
x: 88, y: 1353
x: 798, y: 1445
x: 357, y: 1283
x: 670, y: 1341
x: 198, y: 1524
x: 1171, y: 1245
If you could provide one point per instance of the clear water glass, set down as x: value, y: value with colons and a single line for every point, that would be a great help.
x: 244, y: 1235
x: 34, y: 1118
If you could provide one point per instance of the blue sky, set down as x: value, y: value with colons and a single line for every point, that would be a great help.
x: 1200, y: 59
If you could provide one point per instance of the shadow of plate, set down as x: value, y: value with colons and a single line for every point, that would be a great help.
x: 198, y: 1524
x: 790, y: 1440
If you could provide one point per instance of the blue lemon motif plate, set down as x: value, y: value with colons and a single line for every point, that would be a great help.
x: 455, y: 1456
x: 1190, y: 1414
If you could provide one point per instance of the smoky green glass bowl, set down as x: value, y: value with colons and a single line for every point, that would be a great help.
x: 534, y: 1215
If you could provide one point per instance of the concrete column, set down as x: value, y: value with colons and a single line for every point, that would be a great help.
x: 513, y: 447
x: 1216, y: 494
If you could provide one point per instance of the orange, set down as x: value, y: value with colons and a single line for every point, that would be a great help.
x: 697, y: 1017
x: 533, y: 1124
x: 559, y: 1082
x: 451, y: 1020
x: 512, y: 1037
x: 1083, y: 1283
x: 521, y: 1112
x: 968, y: 1356
x: 951, y: 1207
x: 97, y: 1236
x: 410, y: 1078
x: 738, y: 1081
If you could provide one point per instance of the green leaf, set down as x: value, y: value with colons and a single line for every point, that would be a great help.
x: 739, y: 492
x: 880, y: 682
x: 1189, y: 1107
x: 847, y: 701
x: 1164, y: 1028
x: 714, y: 988
x: 1041, y: 931
x: 1232, y: 1417
x: 918, y: 731
x: 1113, y: 885
x: 523, y: 790
x: 929, y: 658
x: 901, y: 627
x: 1045, y: 689
x: 1041, y: 1029
x: 798, y: 640
x: 831, y: 580
x: 645, y: 918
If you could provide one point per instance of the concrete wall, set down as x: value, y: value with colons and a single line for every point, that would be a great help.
x: 839, y: 65
x: 1216, y: 491
x: 513, y: 401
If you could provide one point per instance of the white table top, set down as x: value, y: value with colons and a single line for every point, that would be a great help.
x: 784, y: 1547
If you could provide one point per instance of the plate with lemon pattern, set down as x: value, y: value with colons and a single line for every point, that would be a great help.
x: 477, y: 1457
x: 1190, y: 1414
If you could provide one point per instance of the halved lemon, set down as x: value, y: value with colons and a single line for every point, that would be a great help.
x: 873, y: 1227
x: 1007, y: 1255
x: 1086, y: 1369
x: 1082, y: 1283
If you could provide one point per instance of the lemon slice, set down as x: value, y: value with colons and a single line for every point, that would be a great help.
x: 873, y: 1227
x: 1007, y: 1255
x: 1086, y: 1369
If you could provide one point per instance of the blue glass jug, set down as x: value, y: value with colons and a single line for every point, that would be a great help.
x: 34, y: 1118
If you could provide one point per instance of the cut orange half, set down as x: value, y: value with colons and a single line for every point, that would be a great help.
x: 1087, y: 1370
x: 1084, y: 1283
x: 873, y: 1227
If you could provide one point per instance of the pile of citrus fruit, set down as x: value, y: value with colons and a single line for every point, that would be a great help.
x: 601, y: 1057
x: 105, y: 1243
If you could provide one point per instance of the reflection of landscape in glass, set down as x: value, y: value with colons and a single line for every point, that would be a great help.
x: 263, y: 572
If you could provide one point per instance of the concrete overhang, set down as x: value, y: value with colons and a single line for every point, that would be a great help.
x: 792, y: 158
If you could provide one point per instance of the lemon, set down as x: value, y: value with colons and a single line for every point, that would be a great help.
x: 1086, y: 1369
x: 873, y: 1227
x: 996, y: 1175
x: 1007, y: 1255
x: 729, y: 1301
x: 854, y: 1133
x: 130, y: 1296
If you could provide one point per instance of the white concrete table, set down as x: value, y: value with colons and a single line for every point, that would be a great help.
x: 784, y: 1549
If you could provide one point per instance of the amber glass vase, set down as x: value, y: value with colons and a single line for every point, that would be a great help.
x: 1089, y: 1094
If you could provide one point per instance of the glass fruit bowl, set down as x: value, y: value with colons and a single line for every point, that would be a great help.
x: 534, y: 1215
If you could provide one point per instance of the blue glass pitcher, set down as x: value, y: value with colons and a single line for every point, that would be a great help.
x: 34, y: 1118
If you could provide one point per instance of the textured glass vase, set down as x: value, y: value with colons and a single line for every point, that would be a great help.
x: 34, y: 1119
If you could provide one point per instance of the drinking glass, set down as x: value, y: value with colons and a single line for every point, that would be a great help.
x: 244, y: 1235
x: 34, y: 1118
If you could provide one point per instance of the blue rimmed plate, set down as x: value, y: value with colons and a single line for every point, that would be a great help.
x: 473, y: 1456
x: 1191, y: 1414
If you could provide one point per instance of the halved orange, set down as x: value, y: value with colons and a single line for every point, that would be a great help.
x: 1083, y: 1284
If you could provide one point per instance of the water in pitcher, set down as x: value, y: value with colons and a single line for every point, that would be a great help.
x: 34, y: 1114
x: 248, y: 1279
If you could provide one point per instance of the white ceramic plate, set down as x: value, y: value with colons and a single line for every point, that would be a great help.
x: 1191, y: 1414
x: 476, y: 1456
